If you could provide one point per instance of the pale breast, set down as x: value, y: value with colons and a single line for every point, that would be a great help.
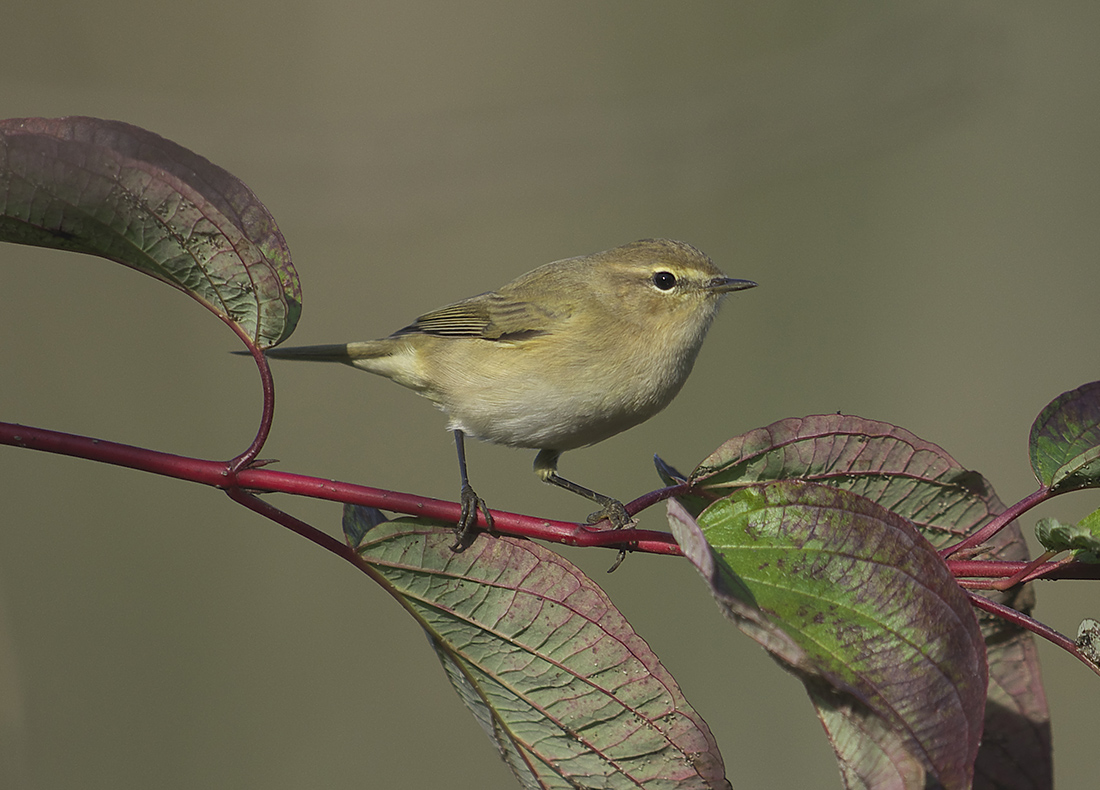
x: 512, y: 394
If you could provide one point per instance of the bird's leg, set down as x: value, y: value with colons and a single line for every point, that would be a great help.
x: 471, y: 502
x: 546, y: 467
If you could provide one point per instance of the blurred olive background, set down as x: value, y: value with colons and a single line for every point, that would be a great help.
x: 915, y: 187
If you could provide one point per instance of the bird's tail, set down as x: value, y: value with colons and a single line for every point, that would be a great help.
x: 347, y: 353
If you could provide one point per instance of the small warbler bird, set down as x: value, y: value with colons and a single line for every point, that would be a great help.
x: 562, y: 357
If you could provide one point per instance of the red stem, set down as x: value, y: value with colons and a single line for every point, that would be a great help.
x: 267, y: 384
x: 223, y: 475
x: 998, y: 523
x: 241, y: 482
x: 296, y: 525
x: 994, y: 569
x: 1041, y: 629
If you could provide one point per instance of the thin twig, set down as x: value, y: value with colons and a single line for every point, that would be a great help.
x: 1041, y: 629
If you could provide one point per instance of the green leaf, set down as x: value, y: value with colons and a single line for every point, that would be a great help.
x: 1065, y: 440
x: 114, y: 190
x: 861, y: 607
x: 553, y: 673
x: 946, y: 501
x: 1056, y: 536
x: 870, y: 754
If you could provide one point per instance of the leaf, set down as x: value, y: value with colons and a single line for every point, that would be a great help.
x: 361, y: 521
x: 870, y: 754
x: 553, y: 673
x: 882, y: 462
x: 922, y: 482
x: 114, y: 190
x: 1016, y: 744
x: 877, y: 621
x: 877, y: 757
x: 1065, y: 440
x: 735, y: 599
x: 1056, y: 536
x: 669, y: 474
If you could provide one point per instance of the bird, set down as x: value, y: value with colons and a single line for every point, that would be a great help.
x: 562, y: 357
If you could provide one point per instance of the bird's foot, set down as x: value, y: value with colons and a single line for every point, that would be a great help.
x: 466, y: 529
x: 615, y: 512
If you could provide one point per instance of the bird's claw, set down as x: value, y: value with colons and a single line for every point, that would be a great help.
x: 615, y: 512
x: 467, y: 520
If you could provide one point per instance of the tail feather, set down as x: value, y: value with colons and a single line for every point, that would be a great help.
x: 336, y: 352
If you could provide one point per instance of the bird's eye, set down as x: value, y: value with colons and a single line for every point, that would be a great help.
x: 666, y: 281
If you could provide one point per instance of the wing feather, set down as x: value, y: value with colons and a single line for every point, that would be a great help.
x: 490, y: 316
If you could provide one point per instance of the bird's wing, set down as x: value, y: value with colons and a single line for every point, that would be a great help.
x: 490, y: 316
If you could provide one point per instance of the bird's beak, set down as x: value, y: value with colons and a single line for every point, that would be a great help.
x: 724, y: 285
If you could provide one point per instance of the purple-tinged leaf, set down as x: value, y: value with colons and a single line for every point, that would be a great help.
x: 879, y: 623
x: 882, y: 462
x: 1016, y: 745
x: 114, y: 190
x: 922, y: 482
x: 1017, y: 718
x: 1065, y: 440
x: 569, y: 693
x: 870, y: 754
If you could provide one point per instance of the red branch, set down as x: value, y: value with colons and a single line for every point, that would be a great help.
x: 1041, y: 629
x: 242, y: 482
x: 993, y: 569
x: 998, y: 523
x: 221, y: 474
